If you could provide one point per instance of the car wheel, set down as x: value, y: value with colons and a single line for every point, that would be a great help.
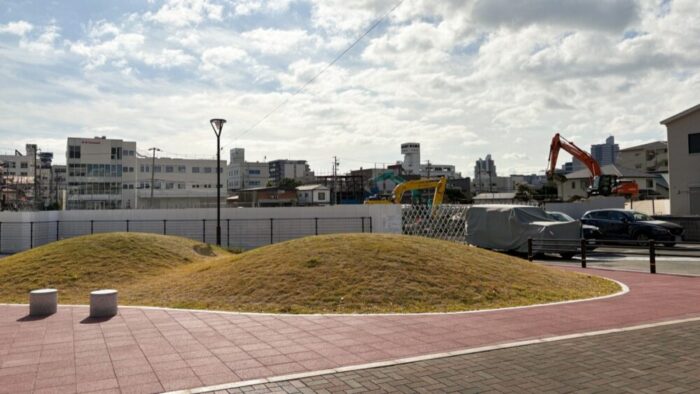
x: 642, y: 239
x: 567, y: 255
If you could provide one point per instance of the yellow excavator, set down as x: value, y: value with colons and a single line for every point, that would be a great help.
x: 438, y: 184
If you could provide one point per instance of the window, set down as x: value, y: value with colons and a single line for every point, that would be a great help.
x: 195, y: 170
x: 650, y: 183
x: 22, y: 174
x: 180, y: 185
x: 253, y: 172
x: 169, y: 169
x: 116, y: 153
x: 573, y: 185
x: 321, y: 195
x: 24, y: 164
x: 207, y: 170
x: 694, y: 143
x: 74, y: 151
x: 181, y: 169
x: 156, y: 168
x: 169, y: 185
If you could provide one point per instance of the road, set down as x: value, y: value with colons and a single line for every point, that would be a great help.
x: 684, y: 261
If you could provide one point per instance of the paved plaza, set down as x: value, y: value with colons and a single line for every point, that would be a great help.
x: 663, y: 359
x: 152, y: 350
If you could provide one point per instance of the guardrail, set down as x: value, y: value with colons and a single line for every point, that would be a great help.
x: 585, y: 247
x: 236, y: 233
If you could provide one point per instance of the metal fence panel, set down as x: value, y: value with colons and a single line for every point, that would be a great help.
x: 445, y: 221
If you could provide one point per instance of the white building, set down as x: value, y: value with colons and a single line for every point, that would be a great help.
x: 683, y: 131
x: 177, y: 183
x: 108, y: 174
x: 18, y: 178
x: 430, y: 170
x: 242, y: 174
x: 101, y: 173
x: 313, y: 195
x: 411, y: 158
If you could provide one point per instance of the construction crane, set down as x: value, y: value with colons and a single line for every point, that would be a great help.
x: 601, y: 184
x: 396, y: 196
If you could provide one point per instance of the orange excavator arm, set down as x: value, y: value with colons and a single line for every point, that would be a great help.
x: 559, y: 142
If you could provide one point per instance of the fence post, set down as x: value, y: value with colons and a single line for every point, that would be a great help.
x: 316, y: 226
x: 204, y: 230
x: 165, y: 226
x: 370, y: 224
x: 228, y: 233
x: 0, y: 236
x: 583, y: 252
x: 652, y: 256
x: 272, y: 233
x: 529, y: 249
x: 31, y: 235
x: 127, y: 225
x: 363, y: 224
x: 58, y: 226
x: 92, y: 227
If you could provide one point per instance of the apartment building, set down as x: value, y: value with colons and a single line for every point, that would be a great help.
x: 291, y: 169
x: 651, y: 157
x: 18, y: 178
x: 683, y: 131
x: 242, y: 174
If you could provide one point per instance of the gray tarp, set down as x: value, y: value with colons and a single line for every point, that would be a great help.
x: 508, y: 227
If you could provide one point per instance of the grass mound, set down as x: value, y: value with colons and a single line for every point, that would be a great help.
x: 365, y: 273
x: 79, y: 265
x: 334, y: 273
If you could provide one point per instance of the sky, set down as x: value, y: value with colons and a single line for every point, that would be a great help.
x: 463, y: 78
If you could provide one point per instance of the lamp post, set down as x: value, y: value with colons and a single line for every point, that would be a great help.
x: 218, y: 125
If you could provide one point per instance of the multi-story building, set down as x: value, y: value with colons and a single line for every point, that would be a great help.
x: 651, y: 157
x: 101, y: 173
x: 411, y: 158
x: 242, y: 174
x: 290, y: 169
x: 166, y: 182
x: 683, y: 132
x: 606, y: 153
x: 20, y: 179
x: 430, y: 170
x: 487, y: 180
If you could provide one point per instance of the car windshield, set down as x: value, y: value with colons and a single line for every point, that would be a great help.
x: 560, y: 216
x: 641, y: 217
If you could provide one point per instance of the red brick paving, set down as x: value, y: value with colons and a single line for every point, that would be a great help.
x: 150, y: 350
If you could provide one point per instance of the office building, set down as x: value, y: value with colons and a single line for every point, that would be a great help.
x: 242, y: 174
x: 289, y: 169
x: 606, y: 153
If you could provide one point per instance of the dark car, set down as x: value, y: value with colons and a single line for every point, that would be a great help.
x: 588, y: 231
x: 622, y: 224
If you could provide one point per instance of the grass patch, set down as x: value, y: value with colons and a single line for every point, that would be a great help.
x: 357, y: 273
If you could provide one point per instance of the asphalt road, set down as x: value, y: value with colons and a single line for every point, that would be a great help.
x: 683, y: 261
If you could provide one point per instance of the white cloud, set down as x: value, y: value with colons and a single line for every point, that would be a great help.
x: 180, y: 13
x: 167, y: 58
x: 247, y: 7
x: 213, y: 58
x: 19, y: 28
x: 276, y: 42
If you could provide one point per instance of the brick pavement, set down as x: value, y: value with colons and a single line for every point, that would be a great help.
x: 654, y: 360
x: 148, y: 350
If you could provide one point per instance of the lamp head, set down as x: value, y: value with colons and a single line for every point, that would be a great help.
x: 217, y: 125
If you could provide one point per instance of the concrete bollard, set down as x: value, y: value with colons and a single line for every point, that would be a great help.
x: 103, y: 303
x: 43, y: 302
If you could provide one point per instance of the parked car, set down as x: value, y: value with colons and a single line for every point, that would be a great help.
x: 623, y: 224
x: 587, y: 231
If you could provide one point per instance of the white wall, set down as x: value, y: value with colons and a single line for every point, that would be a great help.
x: 246, y: 228
x: 651, y: 207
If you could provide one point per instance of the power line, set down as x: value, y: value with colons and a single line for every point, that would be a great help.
x: 329, y: 65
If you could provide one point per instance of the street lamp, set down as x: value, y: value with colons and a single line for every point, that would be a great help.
x: 218, y: 125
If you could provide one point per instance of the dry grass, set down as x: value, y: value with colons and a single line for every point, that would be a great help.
x: 79, y: 265
x: 358, y: 273
x: 366, y: 273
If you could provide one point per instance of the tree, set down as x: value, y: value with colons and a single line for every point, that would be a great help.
x: 523, y: 193
x: 289, y: 184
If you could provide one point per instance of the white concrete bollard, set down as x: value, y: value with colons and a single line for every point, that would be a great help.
x: 43, y: 302
x: 103, y: 303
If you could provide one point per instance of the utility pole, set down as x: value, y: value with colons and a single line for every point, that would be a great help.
x: 153, y: 174
x: 334, y: 199
x: 428, y: 168
x: 36, y: 183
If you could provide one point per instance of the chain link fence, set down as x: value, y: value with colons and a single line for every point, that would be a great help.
x: 445, y: 221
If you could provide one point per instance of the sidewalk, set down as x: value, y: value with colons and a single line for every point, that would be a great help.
x: 147, y: 350
x: 662, y: 359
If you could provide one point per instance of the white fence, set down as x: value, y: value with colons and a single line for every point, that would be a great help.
x: 240, y: 227
x: 651, y: 207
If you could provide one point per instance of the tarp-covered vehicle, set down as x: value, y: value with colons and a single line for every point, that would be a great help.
x: 508, y: 227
